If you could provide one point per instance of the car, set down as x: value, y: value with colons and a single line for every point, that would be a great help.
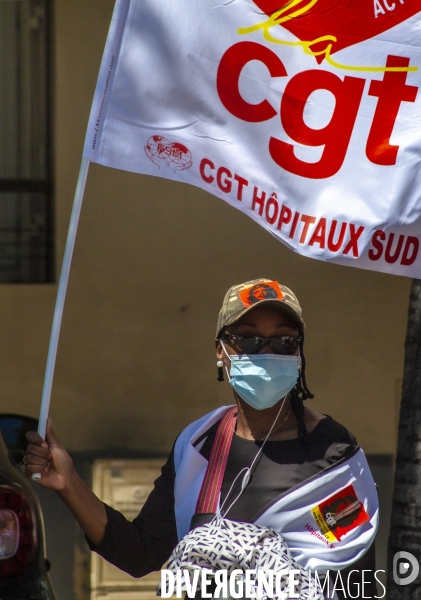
x: 23, y: 563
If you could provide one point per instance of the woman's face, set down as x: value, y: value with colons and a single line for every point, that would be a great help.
x: 263, y: 321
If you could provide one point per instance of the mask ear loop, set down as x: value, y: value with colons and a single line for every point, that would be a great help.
x: 229, y: 358
x: 248, y: 471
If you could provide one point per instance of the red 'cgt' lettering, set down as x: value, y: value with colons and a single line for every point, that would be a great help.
x: 335, y: 137
x: 391, y: 91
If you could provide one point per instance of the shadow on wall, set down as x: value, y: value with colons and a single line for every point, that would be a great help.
x: 70, y: 556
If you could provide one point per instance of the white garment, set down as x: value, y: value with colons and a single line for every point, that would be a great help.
x: 291, y: 515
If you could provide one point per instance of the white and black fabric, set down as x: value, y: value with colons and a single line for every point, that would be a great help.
x: 224, y: 545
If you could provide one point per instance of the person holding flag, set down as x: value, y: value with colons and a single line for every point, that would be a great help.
x: 300, y: 114
x: 268, y: 460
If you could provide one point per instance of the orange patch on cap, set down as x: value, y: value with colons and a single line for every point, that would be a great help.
x: 266, y: 290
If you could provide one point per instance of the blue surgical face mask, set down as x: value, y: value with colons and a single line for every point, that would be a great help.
x: 263, y: 379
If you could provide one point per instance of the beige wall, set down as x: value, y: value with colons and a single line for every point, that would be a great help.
x: 152, y: 262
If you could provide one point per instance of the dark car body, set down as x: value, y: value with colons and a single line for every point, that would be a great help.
x: 23, y: 564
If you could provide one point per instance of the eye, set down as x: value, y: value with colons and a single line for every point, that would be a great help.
x: 285, y: 344
x: 245, y: 344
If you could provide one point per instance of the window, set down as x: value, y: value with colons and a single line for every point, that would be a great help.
x: 26, y: 246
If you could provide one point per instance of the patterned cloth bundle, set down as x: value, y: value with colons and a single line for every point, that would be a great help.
x: 224, y: 545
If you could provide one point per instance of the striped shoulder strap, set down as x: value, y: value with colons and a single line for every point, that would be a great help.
x: 212, y: 482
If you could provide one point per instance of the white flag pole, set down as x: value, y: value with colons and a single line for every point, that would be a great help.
x: 98, y: 110
x: 61, y: 295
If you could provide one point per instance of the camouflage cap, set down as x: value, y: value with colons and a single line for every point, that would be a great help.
x: 242, y: 298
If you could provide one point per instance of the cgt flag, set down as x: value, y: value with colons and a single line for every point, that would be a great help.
x: 303, y: 114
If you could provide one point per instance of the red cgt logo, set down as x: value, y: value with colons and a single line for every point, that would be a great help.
x: 349, y: 21
x: 324, y: 27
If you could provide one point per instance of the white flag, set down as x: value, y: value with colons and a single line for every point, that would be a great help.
x: 303, y: 114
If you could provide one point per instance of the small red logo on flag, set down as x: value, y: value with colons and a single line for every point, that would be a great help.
x: 171, y: 154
